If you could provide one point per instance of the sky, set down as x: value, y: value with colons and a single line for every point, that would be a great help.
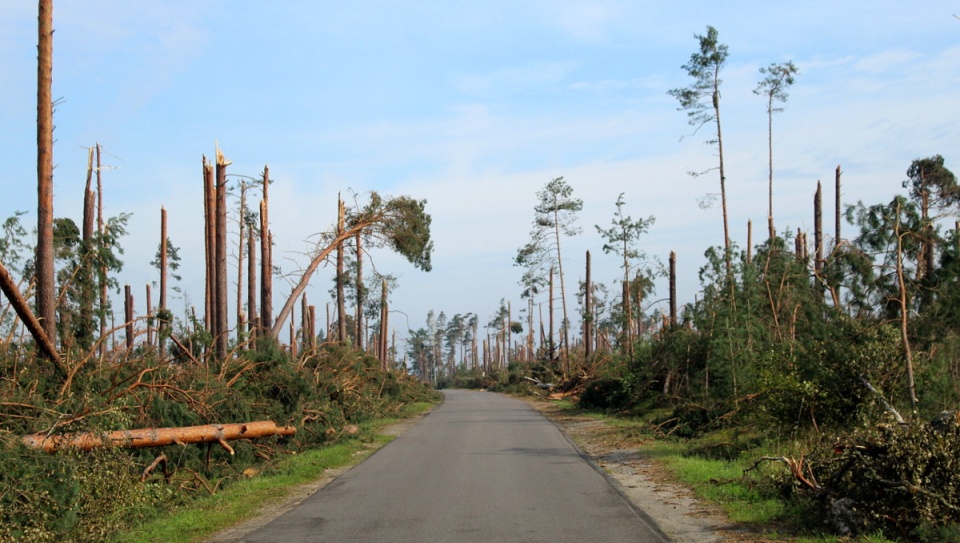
x: 474, y: 107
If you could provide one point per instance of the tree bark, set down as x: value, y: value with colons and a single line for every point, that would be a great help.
x: 102, y: 276
x: 163, y: 259
x: 266, y: 258
x: 904, y: 315
x: 220, y: 337
x: 46, y: 279
x: 588, y: 314
x: 209, y: 244
x: 128, y: 315
x: 44, y: 344
x: 359, y: 317
x: 673, y: 288
x: 836, y: 240
x: 341, y: 301
x: 157, y: 437
x: 252, y: 282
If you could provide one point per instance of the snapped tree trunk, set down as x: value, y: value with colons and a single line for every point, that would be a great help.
x: 588, y: 314
x: 158, y: 437
x: 209, y: 244
x: 266, y: 258
x: 673, y: 288
x: 220, y: 336
x: 45, y: 345
x: 341, y: 302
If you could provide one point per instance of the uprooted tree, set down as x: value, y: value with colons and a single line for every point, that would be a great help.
x: 400, y: 223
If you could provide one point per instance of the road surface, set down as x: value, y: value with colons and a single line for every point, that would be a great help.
x: 481, y: 467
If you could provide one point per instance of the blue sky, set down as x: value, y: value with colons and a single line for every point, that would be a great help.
x: 473, y: 106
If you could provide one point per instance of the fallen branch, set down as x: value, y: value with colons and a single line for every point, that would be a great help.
x: 158, y: 437
x: 162, y: 459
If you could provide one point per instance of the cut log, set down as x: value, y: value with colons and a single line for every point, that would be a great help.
x: 158, y: 437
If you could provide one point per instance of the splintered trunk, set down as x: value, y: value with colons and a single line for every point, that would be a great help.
x: 673, y: 288
x: 341, y: 302
x: 45, y: 274
x: 749, y: 241
x: 266, y: 258
x: 88, y: 291
x: 313, y: 326
x: 209, y: 243
x: 220, y: 337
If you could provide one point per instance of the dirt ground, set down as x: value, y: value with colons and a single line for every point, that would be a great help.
x: 673, y: 507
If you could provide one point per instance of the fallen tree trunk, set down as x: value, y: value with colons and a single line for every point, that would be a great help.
x: 158, y: 437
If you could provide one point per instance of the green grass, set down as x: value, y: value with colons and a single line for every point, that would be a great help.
x: 241, y: 501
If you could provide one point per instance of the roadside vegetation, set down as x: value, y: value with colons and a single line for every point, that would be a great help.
x: 811, y: 388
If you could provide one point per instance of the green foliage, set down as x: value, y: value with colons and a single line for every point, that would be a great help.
x: 701, y: 99
x: 897, y: 478
x: 78, y: 496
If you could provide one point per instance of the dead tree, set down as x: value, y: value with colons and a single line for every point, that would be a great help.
x: 266, y: 257
x: 209, y: 243
x: 252, y: 282
x: 128, y: 315
x: 359, y: 285
x: 220, y: 334
x: 341, y: 302
x: 45, y: 274
x: 588, y: 314
x: 673, y: 288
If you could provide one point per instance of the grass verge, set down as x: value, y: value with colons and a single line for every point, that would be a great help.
x: 206, y: 515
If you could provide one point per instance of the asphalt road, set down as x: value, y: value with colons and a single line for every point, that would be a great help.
x: 480, y: 467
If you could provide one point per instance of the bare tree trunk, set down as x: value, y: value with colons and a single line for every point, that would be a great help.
x: 128, y: 315
x: 588, y: 314
x: 252, y: 282
x: 723, y: 183
x: 266, y: 258
x: 673, y: 288
x: 210, y: 244
x: 241, y: 247
x: 836, y: 240
x: 149, y: 316
x: 553, y: 346
x: 359, y: 326
x: 46, y: 279
x: 102, y: 276
x: 384, y: 314
x: 220, y: 337
x: 904, y: 316
x: 304, y: 322
x: 22, y: 308
x: 87, y: 286
x: 313, y: 327
x: 341, y: 302
x: 749, y: 241
x: 818, y: 230
x: 163, y: 259
x: 563, y: 294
